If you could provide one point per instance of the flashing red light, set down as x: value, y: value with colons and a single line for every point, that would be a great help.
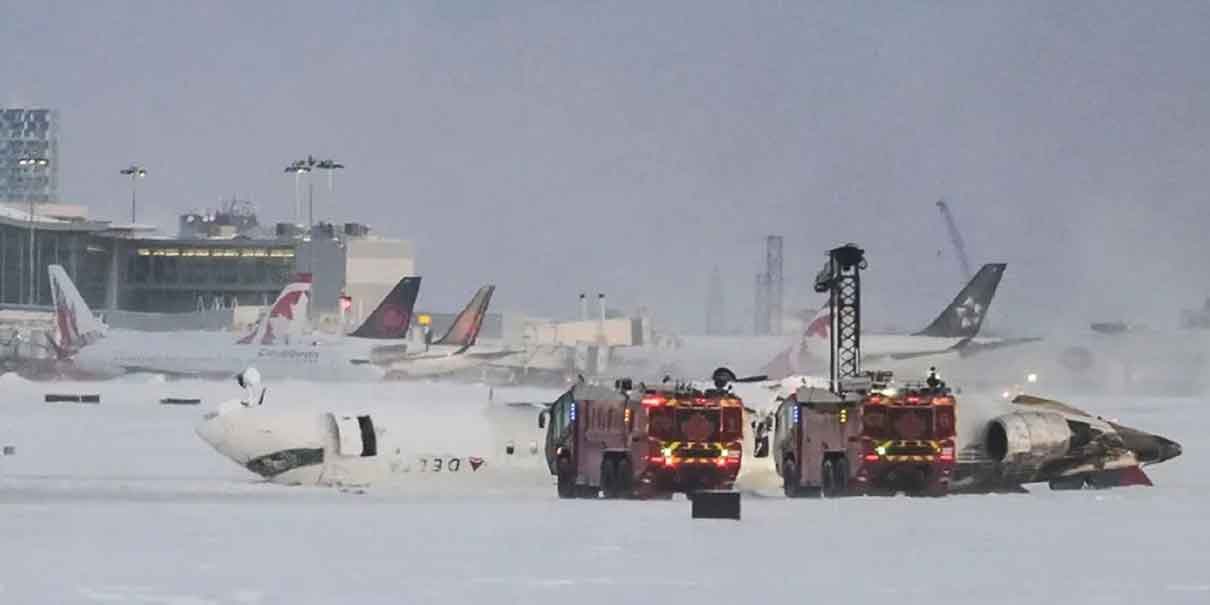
x: 913, y: 399
x: 699, y: 400
x: 871, y: 457
x: 653, y: 401
x: 942, y: 401
x: 875, y: 399
x: 947, y: 452
x: 656, y: 459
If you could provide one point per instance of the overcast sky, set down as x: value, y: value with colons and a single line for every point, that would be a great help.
x: 630, y: 147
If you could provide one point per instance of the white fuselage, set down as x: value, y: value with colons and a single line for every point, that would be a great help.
x: 471, y: 446
x: 217, y: 354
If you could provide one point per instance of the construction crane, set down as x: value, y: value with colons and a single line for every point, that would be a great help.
x: 955, y: 238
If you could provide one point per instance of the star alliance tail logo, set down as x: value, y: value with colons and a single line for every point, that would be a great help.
x: 969, y: 313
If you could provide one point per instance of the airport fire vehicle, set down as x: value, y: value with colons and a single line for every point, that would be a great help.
x: 878, y: 441
x: 645, y: 441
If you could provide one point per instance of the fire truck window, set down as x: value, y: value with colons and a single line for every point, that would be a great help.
x: 733, y: 420
x: 661, y: 423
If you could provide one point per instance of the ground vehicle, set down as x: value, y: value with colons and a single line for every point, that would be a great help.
x: 879, y: 441
x: 643, y: 441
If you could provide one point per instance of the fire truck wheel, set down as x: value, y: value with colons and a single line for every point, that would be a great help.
x: 608, y: 478
x: 789, y: 478
x: 566, y: 485
x: 841, y: 481
x: 624, y: 478
x: 828, y: 478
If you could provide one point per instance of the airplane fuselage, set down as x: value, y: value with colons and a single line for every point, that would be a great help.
x: 216, y: 355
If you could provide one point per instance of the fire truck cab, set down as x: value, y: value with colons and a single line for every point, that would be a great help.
x: 626, y: 441
x: 876, y: 442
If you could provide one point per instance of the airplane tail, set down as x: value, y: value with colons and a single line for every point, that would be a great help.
x: 964, y: 316
x: 75, y: 323
x: 795, y: 359
x: 465, y: 330
x: 286, y: 318
x: 394, y: 314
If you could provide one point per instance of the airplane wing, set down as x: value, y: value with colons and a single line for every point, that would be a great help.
x: 1049, y: 404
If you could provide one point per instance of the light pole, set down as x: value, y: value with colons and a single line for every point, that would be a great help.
x: 31, y: 162
x: 135, y: 172
x: 331, y: 166
x: 299, y: 168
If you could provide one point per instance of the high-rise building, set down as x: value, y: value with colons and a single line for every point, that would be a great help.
x: 29, y: 155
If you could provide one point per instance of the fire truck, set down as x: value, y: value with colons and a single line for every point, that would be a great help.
x: 646, y: 441
x: 876, y: 441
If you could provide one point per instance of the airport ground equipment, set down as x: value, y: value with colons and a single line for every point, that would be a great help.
x: 641, y: 440
x: 841, y: 279
x: 712, y: 504
x: 863, y: 435
x: 878, y: 442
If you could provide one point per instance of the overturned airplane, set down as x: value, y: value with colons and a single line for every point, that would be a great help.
x: 1046, y: 441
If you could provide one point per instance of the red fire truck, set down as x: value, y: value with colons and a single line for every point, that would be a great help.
x: 877, y: 442
x: 645, y: 441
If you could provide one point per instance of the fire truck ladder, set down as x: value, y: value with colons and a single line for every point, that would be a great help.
x: 841, y: 278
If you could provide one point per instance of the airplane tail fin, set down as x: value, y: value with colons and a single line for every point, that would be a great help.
x: 964, y: 316
x: 287, y: 317
x: 394, y: 314
x: 75, y: 323
x: 793, y: 359
x: 465, y: 329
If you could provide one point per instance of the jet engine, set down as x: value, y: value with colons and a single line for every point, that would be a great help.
x: 1027, y: 440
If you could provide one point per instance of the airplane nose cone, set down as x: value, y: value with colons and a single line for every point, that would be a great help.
x: 217, y: 432
x: 211, y: 431
x: 1170, y: 450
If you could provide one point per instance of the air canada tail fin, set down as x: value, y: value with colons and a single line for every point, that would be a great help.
x: 964, y: 316
x: 465, y: 329
x: 77, y: 327
x: 394, y: 314
x: 287, y: 317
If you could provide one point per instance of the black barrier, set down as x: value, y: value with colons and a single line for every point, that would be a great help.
x: 179, y: 401
x: 72, y: 398
x: 715, y: 505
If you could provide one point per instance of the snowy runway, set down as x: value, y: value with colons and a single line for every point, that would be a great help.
x: 122, y: 503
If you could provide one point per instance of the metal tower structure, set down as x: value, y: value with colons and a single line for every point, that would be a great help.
x: 841, y: 278
x: 761, y: 314
x: 773, y: 276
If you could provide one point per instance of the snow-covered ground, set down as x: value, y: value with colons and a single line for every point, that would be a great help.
x: 121, y: 502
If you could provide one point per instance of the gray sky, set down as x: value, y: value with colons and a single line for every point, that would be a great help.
x: 629, y: 147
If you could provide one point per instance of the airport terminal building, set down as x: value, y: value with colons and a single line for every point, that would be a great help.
x: 217, y: 260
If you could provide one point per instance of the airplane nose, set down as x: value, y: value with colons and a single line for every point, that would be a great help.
x: 211, y: 431
x: 1171, y: 450
x: 215, y: 431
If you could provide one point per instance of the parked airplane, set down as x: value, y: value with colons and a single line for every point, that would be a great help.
x: 954, y: 331
x: 278, y: 345
x: 451, y: 353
